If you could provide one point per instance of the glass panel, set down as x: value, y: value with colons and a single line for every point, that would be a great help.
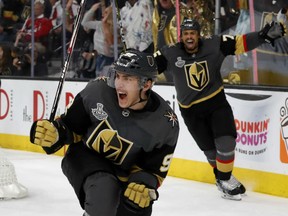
x: 267, y: 65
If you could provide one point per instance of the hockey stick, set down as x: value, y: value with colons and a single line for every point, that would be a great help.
x: 56, y: 147
x: 67, y: 61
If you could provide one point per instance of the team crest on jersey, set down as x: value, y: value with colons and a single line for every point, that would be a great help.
x: 171, y: 118
x: 197, y: 75
x: 99, y: 113
x: 108, y: 143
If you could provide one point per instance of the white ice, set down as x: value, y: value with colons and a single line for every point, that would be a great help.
x: 50, y: 194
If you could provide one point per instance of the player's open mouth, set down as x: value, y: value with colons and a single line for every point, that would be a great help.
x: 190, y: 41
x: 122, y: 95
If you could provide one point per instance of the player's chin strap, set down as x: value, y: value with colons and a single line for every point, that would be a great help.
x: 140, y: 100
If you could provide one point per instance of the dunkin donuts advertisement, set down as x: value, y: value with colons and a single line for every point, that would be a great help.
x: 253, y: 124
x: 262, y: 128
x: 284, y: 132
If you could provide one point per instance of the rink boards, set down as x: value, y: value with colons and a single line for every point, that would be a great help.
x: 261, y: 118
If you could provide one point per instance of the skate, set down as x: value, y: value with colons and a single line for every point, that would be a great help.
x: 229, y: 189
x: 239, y: 185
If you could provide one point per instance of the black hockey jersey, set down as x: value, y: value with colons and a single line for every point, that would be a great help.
x: 129, y: 140
x: 197, y: 76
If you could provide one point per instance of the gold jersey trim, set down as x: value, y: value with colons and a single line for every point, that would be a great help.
x: 135, y: 169
x: 202, y: 99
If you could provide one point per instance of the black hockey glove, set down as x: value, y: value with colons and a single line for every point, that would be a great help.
x: 272, y: 31
x: 283, y: 11
x: 140, y: 194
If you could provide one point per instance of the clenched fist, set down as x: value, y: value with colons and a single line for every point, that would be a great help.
x: 140, y: 194
x: 44, y: 133
x: 272, y: 31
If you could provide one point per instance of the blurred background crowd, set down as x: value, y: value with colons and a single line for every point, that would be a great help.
x: 34, y: 35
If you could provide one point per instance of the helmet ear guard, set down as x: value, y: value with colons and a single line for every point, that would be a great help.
x: 111, y: 76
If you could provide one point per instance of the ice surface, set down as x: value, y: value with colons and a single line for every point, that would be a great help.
x: 50, y: 194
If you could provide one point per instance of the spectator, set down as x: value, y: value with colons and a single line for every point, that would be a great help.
x: 136, y: 19
x: 3, y: 34
x: 42, y: 27
x: 241, y: 61
x: 22, y: 62
x: 5, y: 60
x: 9, y: 17
x: 202, y: 11
x: 47, y: 7
x: 282, y: 16
x: 56, y: 15
x: 102, y: 39
x: 164, y: 29
x: 1, y: 6
x: 71, y: 10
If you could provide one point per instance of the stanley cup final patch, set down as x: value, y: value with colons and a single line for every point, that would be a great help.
x: 99, y: 113
x: 197, y: 75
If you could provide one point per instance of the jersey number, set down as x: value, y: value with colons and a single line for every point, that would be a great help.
x: 226, y: 37
x: 166, y: 163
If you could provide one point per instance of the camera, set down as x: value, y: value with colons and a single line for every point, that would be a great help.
x: 22, y: 54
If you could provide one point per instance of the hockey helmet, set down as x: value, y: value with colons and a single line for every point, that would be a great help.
x: 190, y: 24
x: 136, y: 63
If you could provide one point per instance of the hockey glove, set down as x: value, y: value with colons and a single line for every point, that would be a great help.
x: 272, y: 31
x: 234, y: 78
x: 44, y: 133
x: 140, y: 194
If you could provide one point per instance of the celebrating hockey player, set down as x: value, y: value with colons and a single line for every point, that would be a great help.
x: 122, y: 136
x: 195, y: 65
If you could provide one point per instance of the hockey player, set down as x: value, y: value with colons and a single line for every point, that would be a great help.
x: 195, y: 65
x: 122, y: 137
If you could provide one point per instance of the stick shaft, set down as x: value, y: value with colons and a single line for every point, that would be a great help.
x: 67, y: 61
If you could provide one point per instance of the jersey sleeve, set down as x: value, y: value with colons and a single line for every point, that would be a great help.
x: 161, y: 61
x: 76, y: 117
x: 154, y: 167
x: 239, y: 44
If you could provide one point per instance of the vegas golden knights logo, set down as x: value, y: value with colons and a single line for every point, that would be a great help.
x: 197, y: 75
x: 108, y: 143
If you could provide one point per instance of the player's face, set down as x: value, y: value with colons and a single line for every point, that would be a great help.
x: 190, y: 38
x: 127, y: 88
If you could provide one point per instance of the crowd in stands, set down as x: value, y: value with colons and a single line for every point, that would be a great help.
x: 145, y: 25
x: 26, y: 34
